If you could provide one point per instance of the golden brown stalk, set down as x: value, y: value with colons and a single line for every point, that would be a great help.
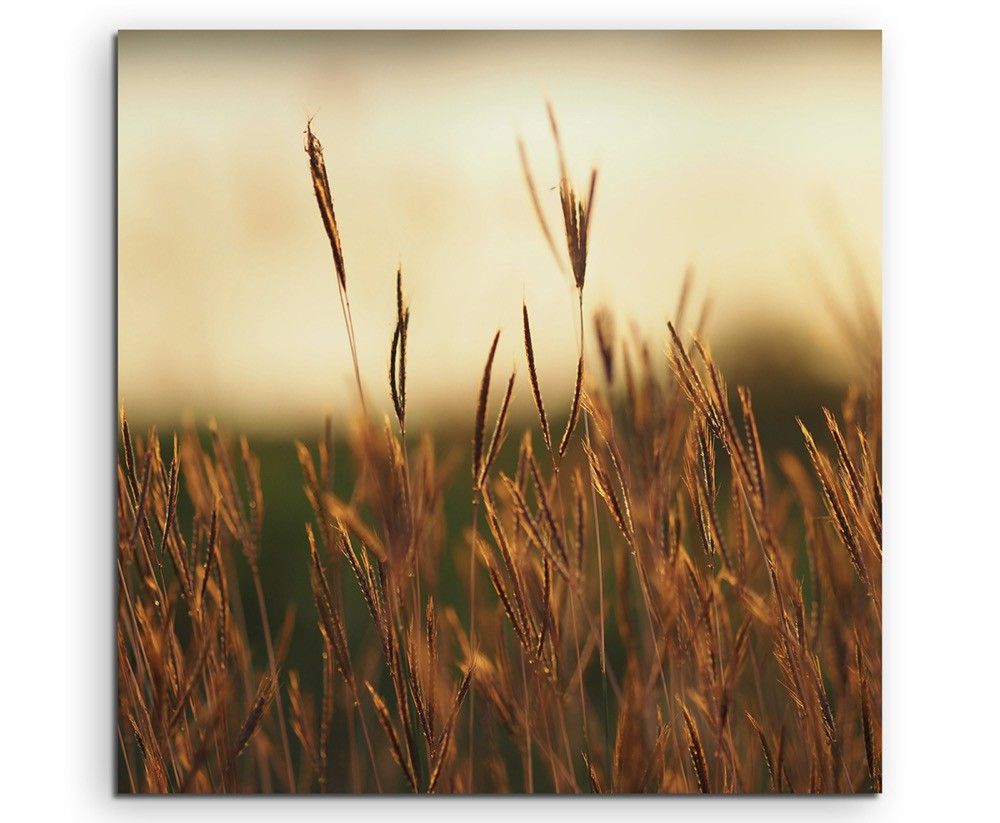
x: 326, y: 713
x: 331, y: 624
x: 271, y: 659
x: 499, y: 432
x: 576, y: 210
x: 536, y: 391
x: 595, y: 779
x: 324, y: 200
x: 479, y: 433
x: 214, y: 722
x: 193, y: 679
x: 602, y: 482
x: 510, y: 568
x: 766, y: 750
x: 302, y: 722
x: 382, y: 713
x: 580, y: 521
x: 246, y: 527
x: 656, y: 755
x: 211, y: 547
x: 753, y: 442
x: 542, y: 497
x: 335, y: 638
x: 532, y: 530
x: 480, y: 464
x: 397, y: 356
x: 258, y: 708
x: 695, y: 750
x: 536, y: 204
x: 574, y: 410
x: 871, y: 749
x: 431, y: 633
x: 446, y: 735
x: 836, y: 508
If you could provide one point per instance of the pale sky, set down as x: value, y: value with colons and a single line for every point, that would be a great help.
x: 727, y: 151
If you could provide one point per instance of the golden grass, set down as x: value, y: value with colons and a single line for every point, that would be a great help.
x: 737, y: 647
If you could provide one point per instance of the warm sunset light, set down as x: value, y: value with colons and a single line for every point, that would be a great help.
x: 750, y: 156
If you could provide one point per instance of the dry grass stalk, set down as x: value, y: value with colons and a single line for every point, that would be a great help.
x: 536, y: 390
x: 397, y: 356
x: 324, y: 201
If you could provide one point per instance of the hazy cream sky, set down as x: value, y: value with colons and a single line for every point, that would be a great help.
x: 716, y: 149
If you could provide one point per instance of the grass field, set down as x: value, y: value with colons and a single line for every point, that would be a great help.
x: 659, y: 583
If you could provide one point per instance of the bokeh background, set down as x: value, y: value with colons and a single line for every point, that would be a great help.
x: 754, y: 157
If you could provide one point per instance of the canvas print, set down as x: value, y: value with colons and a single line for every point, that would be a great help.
x: 499, y: 412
